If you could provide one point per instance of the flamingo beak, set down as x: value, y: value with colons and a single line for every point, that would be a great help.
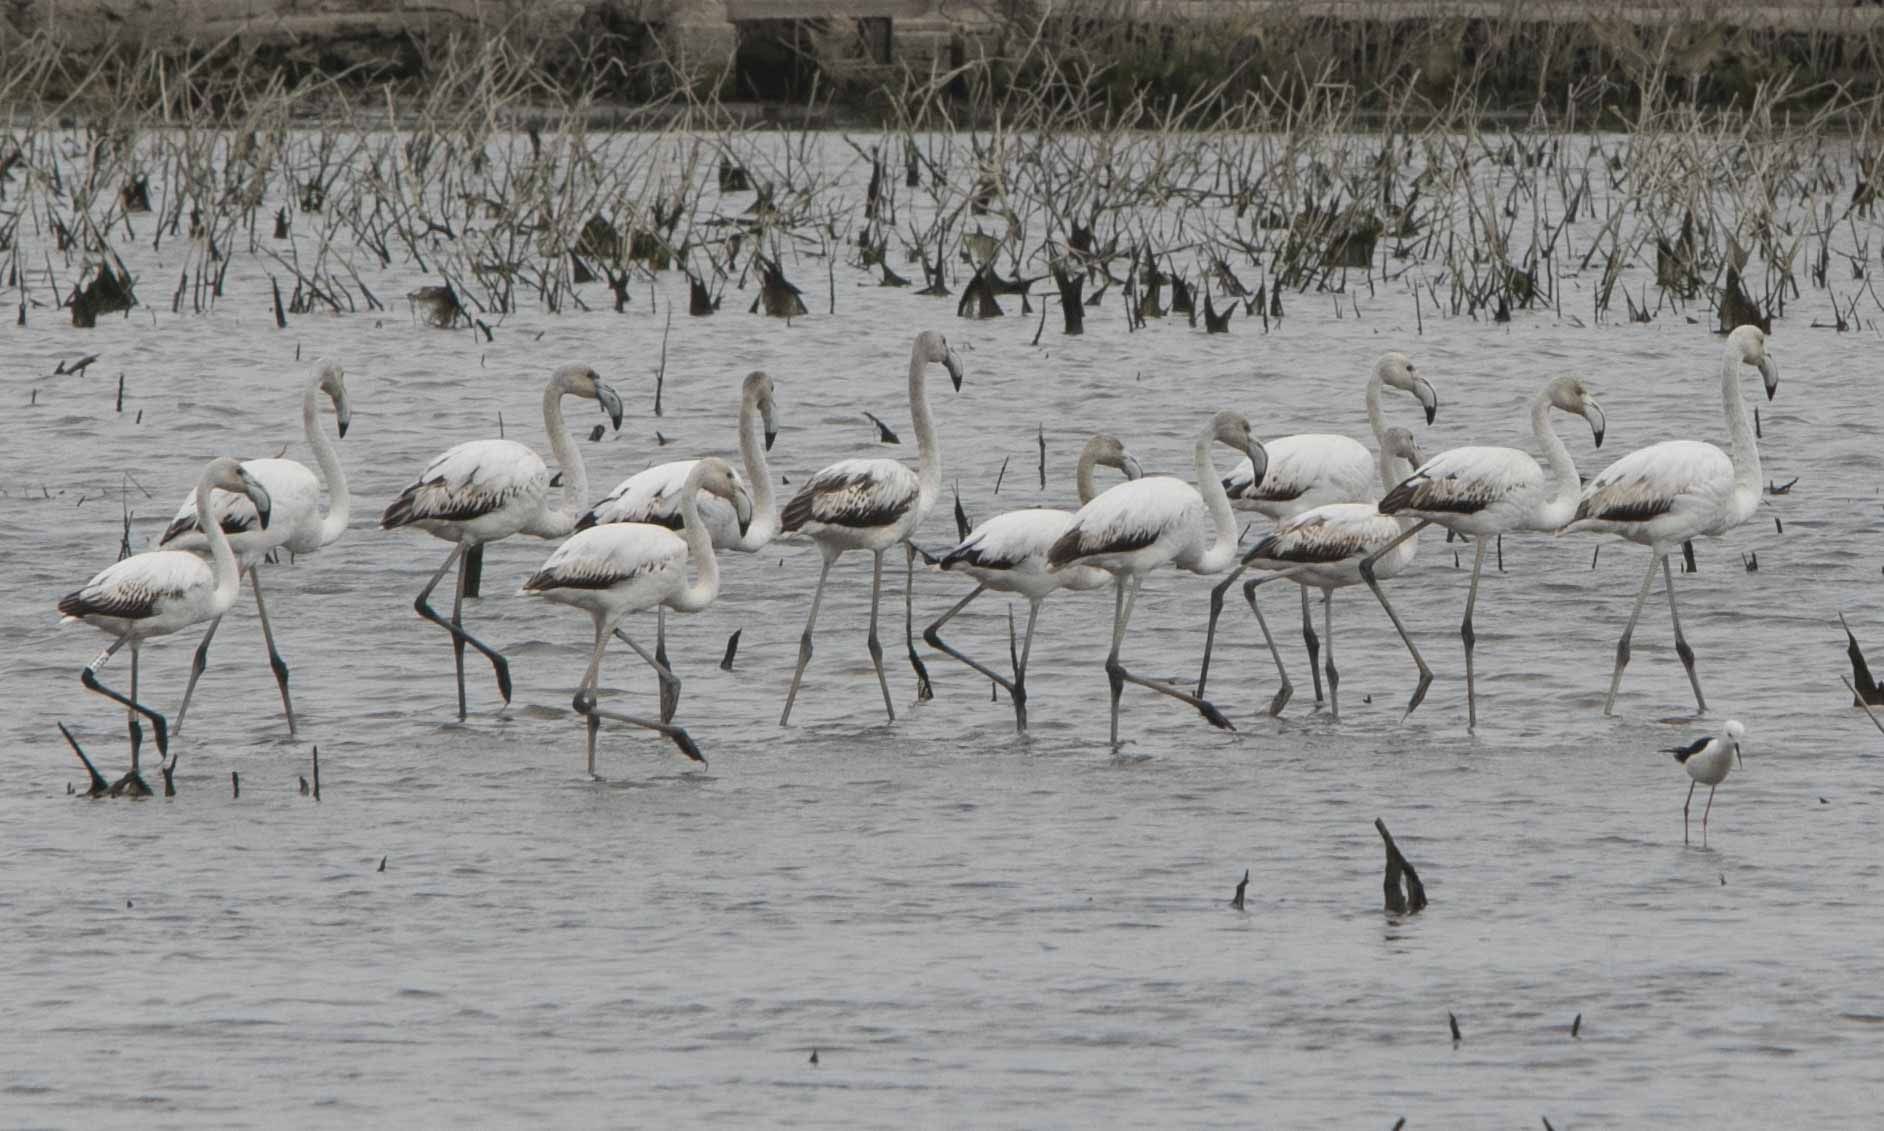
x: 611, y: 403
x: 1258, y: 462
x: 770, y: 416
x: 1593, y: 413
x: 1769, y: 373
x: 258, y: 495
x: 343, y: 414
x: 1129, y: 465
x: 1429, y: 399
x: 742, y: 507
x: 954, y: 365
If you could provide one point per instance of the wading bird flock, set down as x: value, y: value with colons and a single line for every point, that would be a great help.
x: 1344, y: 514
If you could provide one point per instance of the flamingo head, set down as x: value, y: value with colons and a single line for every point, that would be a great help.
x: 716, y: 477
x: 1232, y: 428
x: 1398, y: 443
x: 1750, y: 343
x: 1571, y: 395
x: 758, y: 390
x: 1396, y: 370
x: 1109, y: 451
x: 582, y: 381
x: 932, y: 347
x: 333, y: 382
x: 228, y: 474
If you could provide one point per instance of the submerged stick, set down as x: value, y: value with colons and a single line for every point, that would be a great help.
x: 732, y: 649
x: 317, y: 773
x: 1414, y: 899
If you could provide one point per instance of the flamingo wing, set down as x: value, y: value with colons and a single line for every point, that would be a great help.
x: 1656, y: 480
x: 603, y: 557
x: 139, y: 586
x: 1464, y: 481
x: 858, y: 493
x: 469, y: 481
x: 1010, y: 540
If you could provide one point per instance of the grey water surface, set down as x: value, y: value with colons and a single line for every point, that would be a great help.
x: 968, y: 927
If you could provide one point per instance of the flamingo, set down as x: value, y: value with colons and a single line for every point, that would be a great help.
x: 1486, y: 492
x: 1312, y: 469
x: 1324, y: 548
x: 872, y: 504
x: 160, y: 592
x: 486, y: 490
x: 297, y: 526
x: 623, y: 567
x: 1008, y: 553
x: 1668, y: 493
x: 654, y: 496
x: 1138, y: 526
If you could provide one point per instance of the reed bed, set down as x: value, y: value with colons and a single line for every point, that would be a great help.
x: 1043, y: 165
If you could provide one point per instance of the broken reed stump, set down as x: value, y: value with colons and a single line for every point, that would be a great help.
x: 734, y: 178
x: 1737, y: 309
x: 439, y: 306
x: 600, y: 240
x: 776, y: 293
x: 1864, y: 687
x: 700, y: 303
x: 977, y: 299
x: 108, y: 293
x: 1215, y: 323
x: 1071, y: 308
x: 1414, y: 898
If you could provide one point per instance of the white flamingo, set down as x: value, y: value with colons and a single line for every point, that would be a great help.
x: 160, y: 592
x: 487, y: 490
x: 623, y: 567
x: 1668, y: 493
x: 653, y: 495
x: 1138, y: 526
x: 297, y: 526
x: 1324, y: 548
x: 1008, y: 554
x: 1485, y: 492
x: 872, y: 504
x: 1312, y: 469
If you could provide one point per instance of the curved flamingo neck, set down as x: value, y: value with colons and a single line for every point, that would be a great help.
x: 758, y: 476
x: 223, y: 570
x: 568, y: 460
x: 339, y: 503
x: 706, y: 585
x: 1561, y: 506
x: 1376, y: 420
x: 1742, y: 447
x: 1083, y: 476
x: 928, y: 448
x: 1222, y: 549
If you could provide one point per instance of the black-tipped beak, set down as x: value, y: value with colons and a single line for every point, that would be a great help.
x: 1429, y: 400
x: 258, y: 495
x: 1598, y: 422
x: 1769, y: 373
x: 1131, y: 468
x: 1258, y: 462
x: 611, y: 403
x: 742, y: 507
x: 343, y: 417
x: 771, y: 436
x: 954, y: 365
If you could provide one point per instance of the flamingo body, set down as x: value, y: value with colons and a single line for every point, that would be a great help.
x: 858, y: 504
x: 1665, y: 493
x: 151, y: 594
x: 478, y: 491
x: 1305, y: 471
x: 1136, y: 527
x: 1323, y: 547
x: 653, y: 496
x: 614, y: 569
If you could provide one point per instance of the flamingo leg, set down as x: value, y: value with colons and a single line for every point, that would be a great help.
x: 804, y: 641
x: 1622, y: 645
x: 670, y: 683
x: 88, y: 676
x: 275, y: 663
x: 1019, y: 691
x: 1469, y: 638
x: 1210, y: 631
x: 1334, y: 677
x: 1314, y: 646
x: 586, y: 706
x: 871, y: 641
x: 1687, y: 659
x: 670, y: 693
x: 1287, y: 689
x: 1115, y: 675
x: 1684, y: 811
x: 1367, y: 574
x: 1119, y: 676
x: 423, y: 606
x: 932, y: 636
x: 197, y: 667
x: 924, y: 692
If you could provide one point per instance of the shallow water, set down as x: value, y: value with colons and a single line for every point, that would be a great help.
x: 967, y: 926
